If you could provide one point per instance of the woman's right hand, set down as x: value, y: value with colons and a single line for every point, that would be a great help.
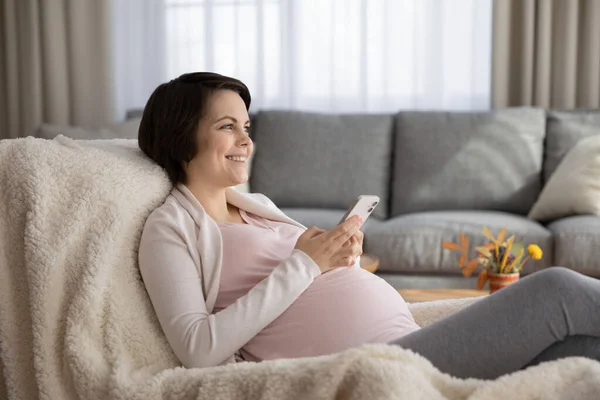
x: 323, y: 246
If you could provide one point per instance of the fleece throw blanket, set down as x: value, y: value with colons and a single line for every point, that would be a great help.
x: 76, y: 322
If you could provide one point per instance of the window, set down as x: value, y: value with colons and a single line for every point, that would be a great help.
x: 336, y: 55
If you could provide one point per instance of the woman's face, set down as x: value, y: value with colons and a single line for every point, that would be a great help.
x: 223, y: 141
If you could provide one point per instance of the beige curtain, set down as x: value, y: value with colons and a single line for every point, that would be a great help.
x: 546, y: 53
x: 54, y: 64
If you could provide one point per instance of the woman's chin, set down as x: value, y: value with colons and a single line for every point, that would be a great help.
x: 238, y: 181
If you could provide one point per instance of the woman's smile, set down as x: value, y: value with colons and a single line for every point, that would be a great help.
x: 238, y: 159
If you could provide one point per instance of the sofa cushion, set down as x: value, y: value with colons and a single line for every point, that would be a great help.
x: 574, y: 187
x: 322, y: 218
x: 564, y: 130
x: 577, y: 243
x: 322, y: 161
x: 413, y: 242
x: 122, y: 130
x: 467, y: 161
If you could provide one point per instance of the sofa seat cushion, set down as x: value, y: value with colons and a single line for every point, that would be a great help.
x: 577, y: 243
x: 322, y: 161
x: 324, y: 218
x: 467, y: 161
x: 413, y: 242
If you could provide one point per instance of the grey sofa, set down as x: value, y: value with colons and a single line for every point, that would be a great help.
x: 438, y: 174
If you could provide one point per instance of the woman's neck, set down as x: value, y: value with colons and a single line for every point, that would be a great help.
x: 213, y: 200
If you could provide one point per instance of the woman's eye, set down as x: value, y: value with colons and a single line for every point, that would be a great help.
x: 248, y: 129
x: 228, y: 126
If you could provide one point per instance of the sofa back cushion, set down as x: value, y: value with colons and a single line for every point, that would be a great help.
x: 313, y: 160
x: 564, y: 130
x: 467, y: 161
x: 121, y: 130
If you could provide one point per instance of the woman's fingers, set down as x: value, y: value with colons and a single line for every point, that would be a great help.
x: 344, y: 231
x: 360, y: 237
x: 346, y: 256
x: 313, y: 231
x: 346, y: 251
x: 356, y: 245
x: 360, y: 248
x: 352, y: 241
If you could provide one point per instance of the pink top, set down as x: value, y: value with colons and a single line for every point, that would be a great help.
x: 343, y: 308
x: 181, y: 257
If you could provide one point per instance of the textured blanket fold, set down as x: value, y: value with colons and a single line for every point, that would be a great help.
x: 76, y: 322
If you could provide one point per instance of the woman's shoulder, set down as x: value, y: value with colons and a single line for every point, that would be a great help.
x: 170, y: 207
x: 168, y: 216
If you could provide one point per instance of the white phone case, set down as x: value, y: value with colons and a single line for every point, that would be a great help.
x: 363, y: 206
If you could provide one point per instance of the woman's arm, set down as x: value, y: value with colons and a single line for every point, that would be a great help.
x: 200, y: 339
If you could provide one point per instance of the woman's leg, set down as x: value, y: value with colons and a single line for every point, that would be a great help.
x: 572, y: 346
x: 506, y: 331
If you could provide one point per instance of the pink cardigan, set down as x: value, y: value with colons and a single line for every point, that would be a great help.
x: 180, y: 258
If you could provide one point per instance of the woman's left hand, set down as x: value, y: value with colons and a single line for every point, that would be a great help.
x: 352, y: 249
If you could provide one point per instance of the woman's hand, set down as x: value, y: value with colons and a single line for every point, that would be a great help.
x: 326, y: 248
x: 351, y: 250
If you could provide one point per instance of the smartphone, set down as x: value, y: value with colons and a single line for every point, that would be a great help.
x: 363, y: 206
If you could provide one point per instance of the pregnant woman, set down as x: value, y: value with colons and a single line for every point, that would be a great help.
x: 232, y: 278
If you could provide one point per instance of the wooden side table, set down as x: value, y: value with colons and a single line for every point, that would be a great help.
x: 421, y: 295
x: 369, y: 262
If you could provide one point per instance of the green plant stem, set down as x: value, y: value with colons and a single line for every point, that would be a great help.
x: 523, y: 263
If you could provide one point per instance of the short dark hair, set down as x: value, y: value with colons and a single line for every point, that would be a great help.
x: 167, y: 132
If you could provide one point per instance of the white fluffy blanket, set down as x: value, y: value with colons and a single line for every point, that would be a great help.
x: 75, y: 320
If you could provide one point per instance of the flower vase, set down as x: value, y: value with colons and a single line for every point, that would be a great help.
x: 498, y: 281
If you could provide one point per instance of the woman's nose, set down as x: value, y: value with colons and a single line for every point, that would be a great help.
x: 243, y: 137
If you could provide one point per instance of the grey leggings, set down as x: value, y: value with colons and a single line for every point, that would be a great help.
x: 547, y: 315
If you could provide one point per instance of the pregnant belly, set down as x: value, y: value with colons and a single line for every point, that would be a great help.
x: 343, y: 308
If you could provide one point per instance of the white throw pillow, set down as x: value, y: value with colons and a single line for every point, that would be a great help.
x: 574, y: 188
x: 245, y: 187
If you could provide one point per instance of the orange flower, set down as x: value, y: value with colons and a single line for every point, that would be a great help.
x: 464, y: 247
x: 496, y: 241
x: 468, y: 267
x: 482, y: 279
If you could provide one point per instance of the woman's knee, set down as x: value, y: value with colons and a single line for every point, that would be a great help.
x: 558, y: 276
